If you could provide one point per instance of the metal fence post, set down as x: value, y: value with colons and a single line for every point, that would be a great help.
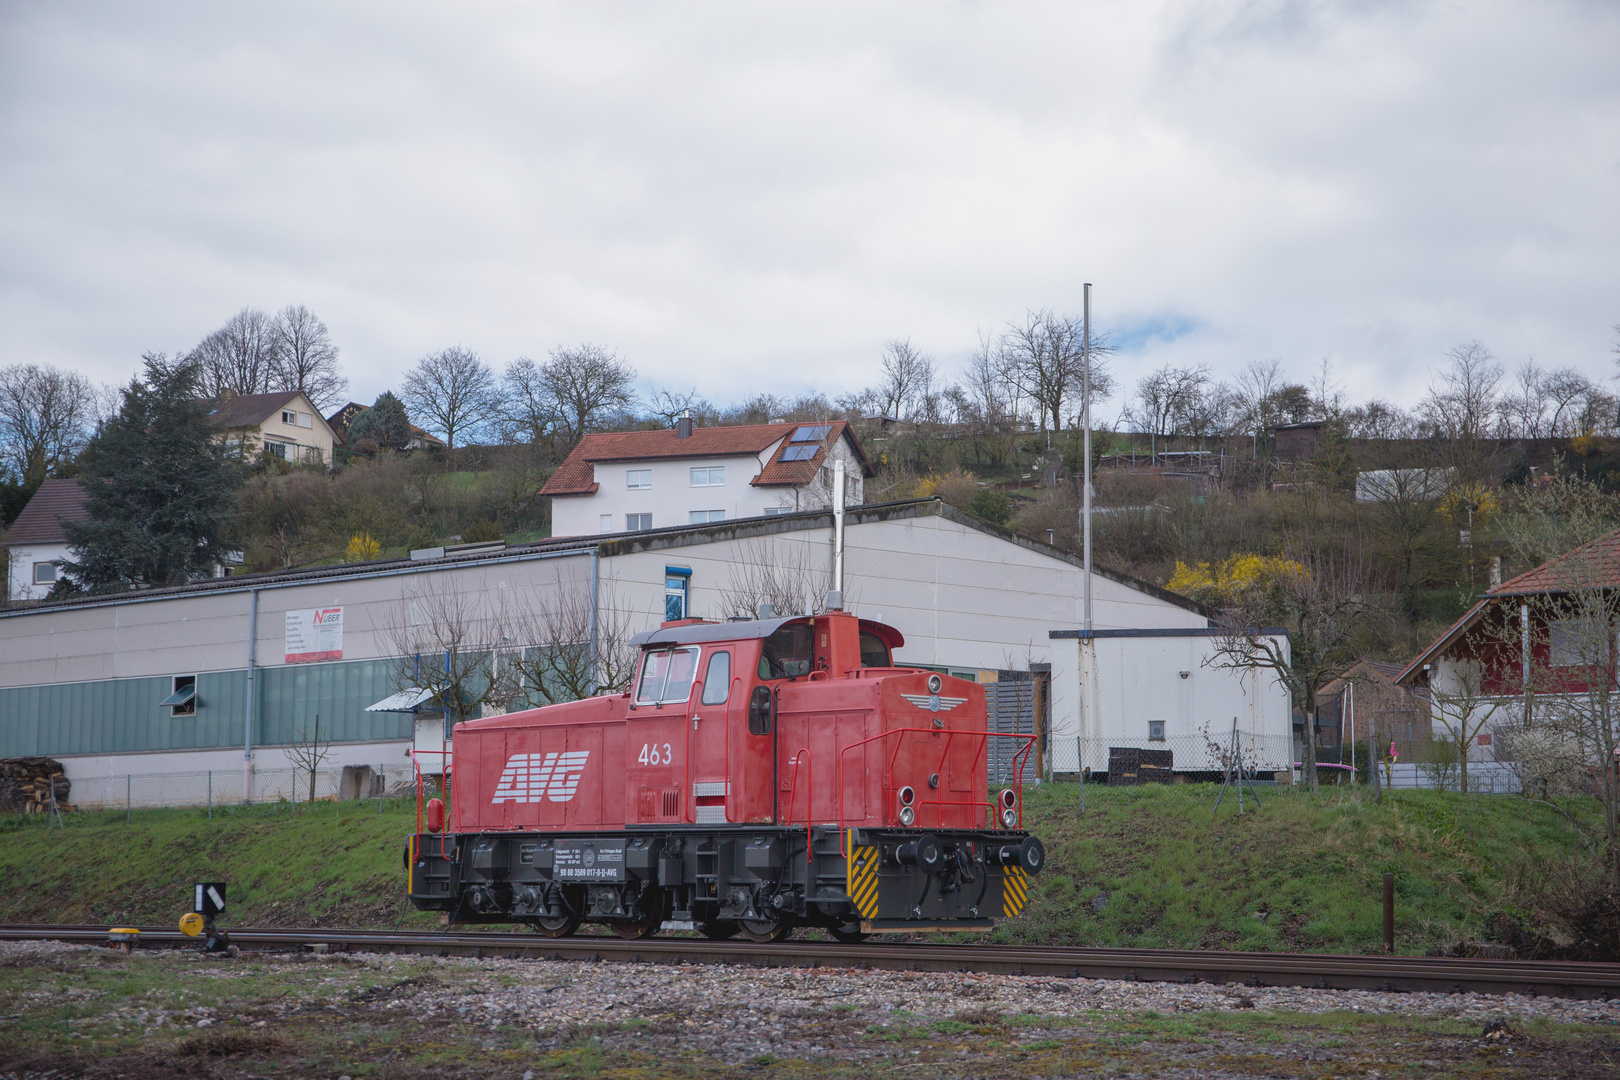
x: 129, y: 790
x: 210, y: 794
x: 381, y: 784
x: 1389, y: 912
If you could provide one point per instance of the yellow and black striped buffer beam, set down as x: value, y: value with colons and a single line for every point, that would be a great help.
x: 1014, y: 890
x: 861, y: 881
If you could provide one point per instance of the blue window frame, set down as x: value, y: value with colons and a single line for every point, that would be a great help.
x: 677, y: 592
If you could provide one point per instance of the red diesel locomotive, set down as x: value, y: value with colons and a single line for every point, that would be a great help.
x: 757, y: 776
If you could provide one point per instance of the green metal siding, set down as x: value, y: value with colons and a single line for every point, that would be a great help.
x: 122, y: 715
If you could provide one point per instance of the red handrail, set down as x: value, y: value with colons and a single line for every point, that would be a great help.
x: 1020, y: 758
x: 417, y: 767
x: 809, y: 795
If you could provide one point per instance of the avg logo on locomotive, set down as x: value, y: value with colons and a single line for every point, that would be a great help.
x: 527, y: 777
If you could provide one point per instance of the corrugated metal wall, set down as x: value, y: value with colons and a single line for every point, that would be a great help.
x: 1011, y: 705
x: 123, y: 716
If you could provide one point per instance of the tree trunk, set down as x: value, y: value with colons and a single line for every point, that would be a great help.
x: 1462, y: 755
x: 1308, y: 708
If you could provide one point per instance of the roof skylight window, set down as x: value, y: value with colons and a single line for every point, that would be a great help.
x: 799, y: 453
x: 811, y: 433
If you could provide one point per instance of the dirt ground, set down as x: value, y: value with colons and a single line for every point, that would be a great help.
x: 70, y: 1011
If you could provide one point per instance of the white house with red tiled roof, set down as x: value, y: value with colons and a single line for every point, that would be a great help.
x: 284, y: 424
x: 36, y: 545
x: 631, y: 481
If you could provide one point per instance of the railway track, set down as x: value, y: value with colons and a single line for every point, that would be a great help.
x: 1324, y: 971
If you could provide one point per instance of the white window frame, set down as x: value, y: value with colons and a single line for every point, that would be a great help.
x: 55, y: 573
x: 709, y: 476
x: 607, y: 523
x: 306, y: 420
x: 704, y: 517
x: 289, y: 417
x: 1156, y: 725
x: 635, y: 525
x: 633, y: 478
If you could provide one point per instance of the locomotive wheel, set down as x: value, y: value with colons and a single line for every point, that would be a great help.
x: 560, y: 926
x: 765, y: 931
x: 718, y: 930
x: 848, y: 931
x: 634, y: 931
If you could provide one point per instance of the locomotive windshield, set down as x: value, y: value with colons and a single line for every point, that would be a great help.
x: 788, y: 653
x: 874, y: 653
x: 666, y: 676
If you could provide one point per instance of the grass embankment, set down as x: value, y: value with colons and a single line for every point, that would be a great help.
x: 1153, y: 866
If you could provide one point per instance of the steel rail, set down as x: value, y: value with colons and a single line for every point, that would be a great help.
x: 1328, y: 971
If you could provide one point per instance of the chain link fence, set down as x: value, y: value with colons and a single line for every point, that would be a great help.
x: 1204, y: 757
x: 236, y: 787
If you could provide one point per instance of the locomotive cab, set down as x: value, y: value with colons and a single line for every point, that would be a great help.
x: 753, y: 776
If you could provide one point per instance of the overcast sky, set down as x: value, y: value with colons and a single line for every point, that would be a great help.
x: 755, y: 196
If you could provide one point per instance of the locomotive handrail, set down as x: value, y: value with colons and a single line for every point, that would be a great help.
x: 1019, y: 759
x: 809, y: 795
x: 416, y: 766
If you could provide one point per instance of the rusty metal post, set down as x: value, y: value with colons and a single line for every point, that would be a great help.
x: 1389, y: 912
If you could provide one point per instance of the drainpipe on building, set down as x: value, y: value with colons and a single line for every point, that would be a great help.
x: 247, y: 724
x: 596, y: 557
x: 838, y: 528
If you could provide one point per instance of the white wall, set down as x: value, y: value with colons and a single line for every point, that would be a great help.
x: 20, y: 584
x: 1138, y: 679
x: 672, y: 497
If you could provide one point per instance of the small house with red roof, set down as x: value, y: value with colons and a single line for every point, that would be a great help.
x: 1521, y: 646
x: 632, y: 481
x: 36, y: 545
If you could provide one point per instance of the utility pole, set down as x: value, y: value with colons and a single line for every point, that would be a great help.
x: 1085, y: 422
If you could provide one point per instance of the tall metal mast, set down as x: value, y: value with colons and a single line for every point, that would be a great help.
x: 1085, y: 420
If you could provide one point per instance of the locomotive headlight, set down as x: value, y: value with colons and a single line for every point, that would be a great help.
x: 907, y: 796
x: 1009, y: 818
x: 907, y: 815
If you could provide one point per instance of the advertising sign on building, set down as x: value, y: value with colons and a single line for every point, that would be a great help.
x: 315, y: 634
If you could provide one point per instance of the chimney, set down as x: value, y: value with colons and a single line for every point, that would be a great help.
x: 683, y: 426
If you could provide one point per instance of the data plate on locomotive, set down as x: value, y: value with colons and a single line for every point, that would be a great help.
x: 590, y: 860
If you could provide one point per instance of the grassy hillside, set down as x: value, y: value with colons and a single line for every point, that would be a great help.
x: 1151, y: 866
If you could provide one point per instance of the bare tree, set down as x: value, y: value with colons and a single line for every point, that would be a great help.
x: 1462, y: 707
x: 780, y: 574
x: 564, y: 657
x: 46, y: 415
x: 304, y: 357
x: 586, y: 384
x: 451, y: 392
x: 1044, y: 356
x: 908, y: 379
x: 1462, y: 399
x: 668, y: 406
x: 1318, y: 602
x: 307, y: 753
x: 1170, y: 401
x: 528, y: 412
x: 239, y: 357
x: 1378, y: 420
x: 443, y: 640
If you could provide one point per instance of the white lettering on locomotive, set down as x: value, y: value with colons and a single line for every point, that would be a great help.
x: 528, y: 777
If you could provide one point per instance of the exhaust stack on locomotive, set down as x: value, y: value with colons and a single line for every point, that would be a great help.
x: 756, y: 776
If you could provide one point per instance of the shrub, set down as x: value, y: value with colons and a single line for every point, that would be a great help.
x: 362, y: 548
x: 483, y: 532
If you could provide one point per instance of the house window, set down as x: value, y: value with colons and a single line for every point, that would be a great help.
x: 714, y: 477
x: 277, y: 449
x: 1155, y: 731
x: 677, y: 592
x: 44, y: 573
x: 289, y: 417
x: 305, y: 420
x: 637, y: 522
x: 703, y: 517
x: 607, y: 522
x: 1568, y: 645
x: 772, y: 511
x: 638, y: 479
x: 182, y: 701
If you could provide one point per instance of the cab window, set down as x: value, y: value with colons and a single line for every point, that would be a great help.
x: 874, y: 653
x: 717, y: 679
x: 666, y: 676
x: 789, y: 653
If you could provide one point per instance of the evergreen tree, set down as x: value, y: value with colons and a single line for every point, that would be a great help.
x: 160, y: 489
x: 384, y: 423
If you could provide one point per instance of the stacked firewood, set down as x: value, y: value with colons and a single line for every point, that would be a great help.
x: 26, y: 783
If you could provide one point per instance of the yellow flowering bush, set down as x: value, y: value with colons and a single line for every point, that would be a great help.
x: 1227, y: 581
